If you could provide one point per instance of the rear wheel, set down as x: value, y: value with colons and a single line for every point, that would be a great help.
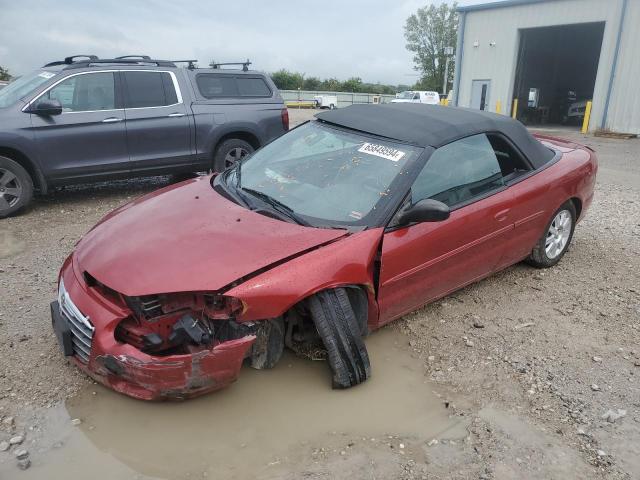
x: 341, y: 332
x: 555, y: 241
x: 16, y: 187
x: 229, y: 152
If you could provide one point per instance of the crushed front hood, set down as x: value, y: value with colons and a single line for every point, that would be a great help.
x: 187, y: 237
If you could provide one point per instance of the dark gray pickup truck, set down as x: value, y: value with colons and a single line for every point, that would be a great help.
x: 86, y: 119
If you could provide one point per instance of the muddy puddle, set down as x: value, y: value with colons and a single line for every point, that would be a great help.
x: 264, y: 422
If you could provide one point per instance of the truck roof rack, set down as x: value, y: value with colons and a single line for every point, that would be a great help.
x: 245, y: 65
x: 81, y: 61
x: 70, y: 60
x: 122, y: 61
x: 191, y: 63
x: 143, y: 57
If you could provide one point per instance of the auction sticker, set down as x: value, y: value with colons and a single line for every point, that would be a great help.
x: 382, y: 151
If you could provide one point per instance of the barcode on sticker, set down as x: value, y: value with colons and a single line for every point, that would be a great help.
x: 381, y: 151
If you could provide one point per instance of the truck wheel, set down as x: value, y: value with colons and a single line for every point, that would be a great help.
x: 556, y: 238
x: 338, y: 326
x: 16, y: 187
x: 332, y: 107
x: 229, y: 152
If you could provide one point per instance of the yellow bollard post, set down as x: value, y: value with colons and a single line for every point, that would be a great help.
x: 514, y: 112
x: 587, y: 117
x: 446, y: 102
x: 498, y: 107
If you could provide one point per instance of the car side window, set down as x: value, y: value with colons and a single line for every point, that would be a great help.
x: 512, y: 163
x: 87, y: 92
x: 213, y: 85
x: 458, y: 172
x: 149, y: 89
x: 253, y: 87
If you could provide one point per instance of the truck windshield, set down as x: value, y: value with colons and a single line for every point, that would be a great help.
x: 325, y: 175
x: 23, y: 86
x: 406, y: 95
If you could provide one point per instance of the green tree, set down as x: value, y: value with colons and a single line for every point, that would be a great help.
x: 4, y: 74
x: 354, y: 84
x: 311, y: 83
x: 331, y: 85
x: 428, y: 32
x: 286, y: 80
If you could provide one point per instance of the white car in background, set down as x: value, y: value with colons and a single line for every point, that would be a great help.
x: 417, y: 96
x: 326, y: 101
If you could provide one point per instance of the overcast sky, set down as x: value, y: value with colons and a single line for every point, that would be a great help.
x: 333, y: 38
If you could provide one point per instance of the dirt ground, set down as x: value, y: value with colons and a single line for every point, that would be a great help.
x: 529, y: 374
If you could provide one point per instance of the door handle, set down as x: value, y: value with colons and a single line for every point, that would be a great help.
x: 175, y: 115
x: 501, y: 216
x: 112, y: 120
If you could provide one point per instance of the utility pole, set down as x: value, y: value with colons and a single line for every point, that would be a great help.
x: 448, y: 52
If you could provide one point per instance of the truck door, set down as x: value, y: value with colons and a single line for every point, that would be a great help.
x: 88, y: 138
x: 157, y: 122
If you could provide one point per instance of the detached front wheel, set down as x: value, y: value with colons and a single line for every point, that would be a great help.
x: 16, y: 187
x: 340, y: 329
x: 555, y: 241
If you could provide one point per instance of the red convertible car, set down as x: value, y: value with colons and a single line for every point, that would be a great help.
x: 338, y: 227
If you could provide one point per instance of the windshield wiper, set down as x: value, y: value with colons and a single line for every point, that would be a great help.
x: 277, y: 205
x: 231, y: 191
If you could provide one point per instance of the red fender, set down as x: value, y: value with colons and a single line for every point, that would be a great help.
x: 348, y: 261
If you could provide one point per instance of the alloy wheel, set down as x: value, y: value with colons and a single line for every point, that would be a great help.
x: 10, y: 189
x: 558, y: 234
x: 234, y: 155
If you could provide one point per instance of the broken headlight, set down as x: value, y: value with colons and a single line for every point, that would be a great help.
x: 211, y: 305
x: 176, y: 322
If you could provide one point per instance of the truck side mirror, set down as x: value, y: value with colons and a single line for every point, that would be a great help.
x: 46, y: 108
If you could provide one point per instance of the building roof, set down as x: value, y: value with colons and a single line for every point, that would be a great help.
x: 434, y: 126
x: 498, y: 4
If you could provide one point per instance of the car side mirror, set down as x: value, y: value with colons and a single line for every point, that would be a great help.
x: 46, y: 108
x: 427, y: 210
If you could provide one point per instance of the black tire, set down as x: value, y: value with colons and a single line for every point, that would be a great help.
x: 341, y: 332
x: 269, y: 344
x: 16, y: 187
x: 229, y: 151
x: 539, y: 257
x: 332, y: 107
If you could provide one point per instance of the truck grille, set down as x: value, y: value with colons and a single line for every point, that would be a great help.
x: 81, y: 327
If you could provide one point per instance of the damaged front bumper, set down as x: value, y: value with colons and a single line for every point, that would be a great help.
x: 85, y: 329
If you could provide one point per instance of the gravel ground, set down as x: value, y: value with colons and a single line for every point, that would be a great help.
x: 536, y: 359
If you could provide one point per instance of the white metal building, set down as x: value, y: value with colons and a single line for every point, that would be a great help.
x: 552, y: 56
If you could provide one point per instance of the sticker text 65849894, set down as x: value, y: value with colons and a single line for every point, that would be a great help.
x: 383, y: 151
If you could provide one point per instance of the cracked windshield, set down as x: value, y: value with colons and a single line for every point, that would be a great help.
x: 322, y: 172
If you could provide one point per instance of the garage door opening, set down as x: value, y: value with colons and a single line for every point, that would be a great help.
x: 556, y: 73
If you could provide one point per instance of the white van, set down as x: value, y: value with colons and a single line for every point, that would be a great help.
x: 326, y: 101
x: 417, y: 96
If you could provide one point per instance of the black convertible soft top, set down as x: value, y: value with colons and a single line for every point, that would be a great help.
x: 435, y: 125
